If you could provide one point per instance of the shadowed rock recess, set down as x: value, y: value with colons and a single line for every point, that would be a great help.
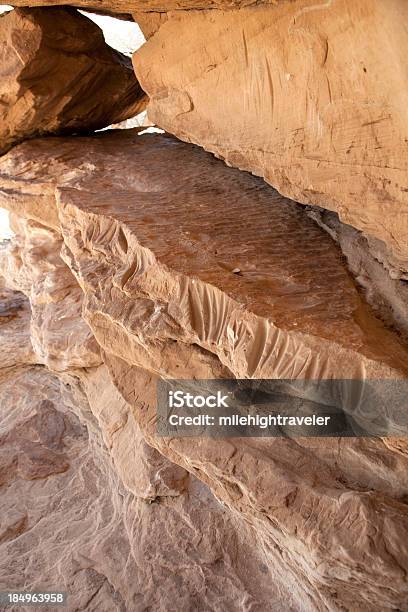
x: 53, y: 66
x: 138, y: 257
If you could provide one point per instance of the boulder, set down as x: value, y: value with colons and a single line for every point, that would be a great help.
x: 57, y: 75
x: 310, y: 96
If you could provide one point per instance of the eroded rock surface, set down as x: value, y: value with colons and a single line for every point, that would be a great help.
x: 130, y: 6
x: 331, y: 513
x: 57, y: 75
x: 15, y: 317
x: 177, y: 282
x: 63, y: 504
x: 310, y: 96
x: 218, y: 241
x: 208, y: 272
x: 31, y: 264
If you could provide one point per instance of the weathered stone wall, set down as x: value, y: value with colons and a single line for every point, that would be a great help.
x: 312, y: 96
x: 137, y: 256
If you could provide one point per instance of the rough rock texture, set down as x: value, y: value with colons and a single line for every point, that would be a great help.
x: 15, y: 316
x: 310, y: 95
x: 149, y: 23
x: 86, y: 506
x: 331, y: 514
x: 286, y: 273
x: 202, y: 272
x: 177, y: 285
x: 54, y: 64
x: 67, y: 521
x: 131, y: 6
x: 368, y: 262
x: 31, y: 263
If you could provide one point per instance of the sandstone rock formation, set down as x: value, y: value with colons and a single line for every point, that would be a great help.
x: 130, y: 6
x: 32, y: 264
x: 137, y: 257
x: 285, y: 273
x: 54, y: 65
x: 15, y: 316
x: 176, y: 285
x: 312, y: 96
x: 109, y: 548
x: 107, y: 518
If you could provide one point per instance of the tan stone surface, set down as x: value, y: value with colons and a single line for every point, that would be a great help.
x: 149, y: 23
x: 310, y: 95
x: 288, y: 272
x: 171, y: 284
x: 131, y: 6
x: 57, y: 75
x: 144, y: 471
x: 68, y: 523
x: 331, y: 513
x: 15, y: 316
x: 193, y: 269
x: 267, y: 293
x: 31, y: 263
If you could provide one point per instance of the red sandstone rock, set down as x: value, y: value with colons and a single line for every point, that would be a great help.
x: 130, y: 6
x: 310, y: 95
x: 57, y: 75
x: 156, y: 254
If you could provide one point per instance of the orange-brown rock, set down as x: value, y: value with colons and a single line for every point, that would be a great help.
x: 149, y: 23
x: 287, y: 273
x: 207, y: 272
x: 131, y: 6
x: 310, y: 95
x: 177, y: 284
x: 57, y: 75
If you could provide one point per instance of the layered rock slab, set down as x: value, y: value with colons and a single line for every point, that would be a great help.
x: 223, y: 227
x: 312, y: 97
x: 107, y: 518
x: 129, y: 6
x: 57, y: 75
x: 237, y: 270
x: 176, y: 281
x: 329, y: 518
x: 216, y: 275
